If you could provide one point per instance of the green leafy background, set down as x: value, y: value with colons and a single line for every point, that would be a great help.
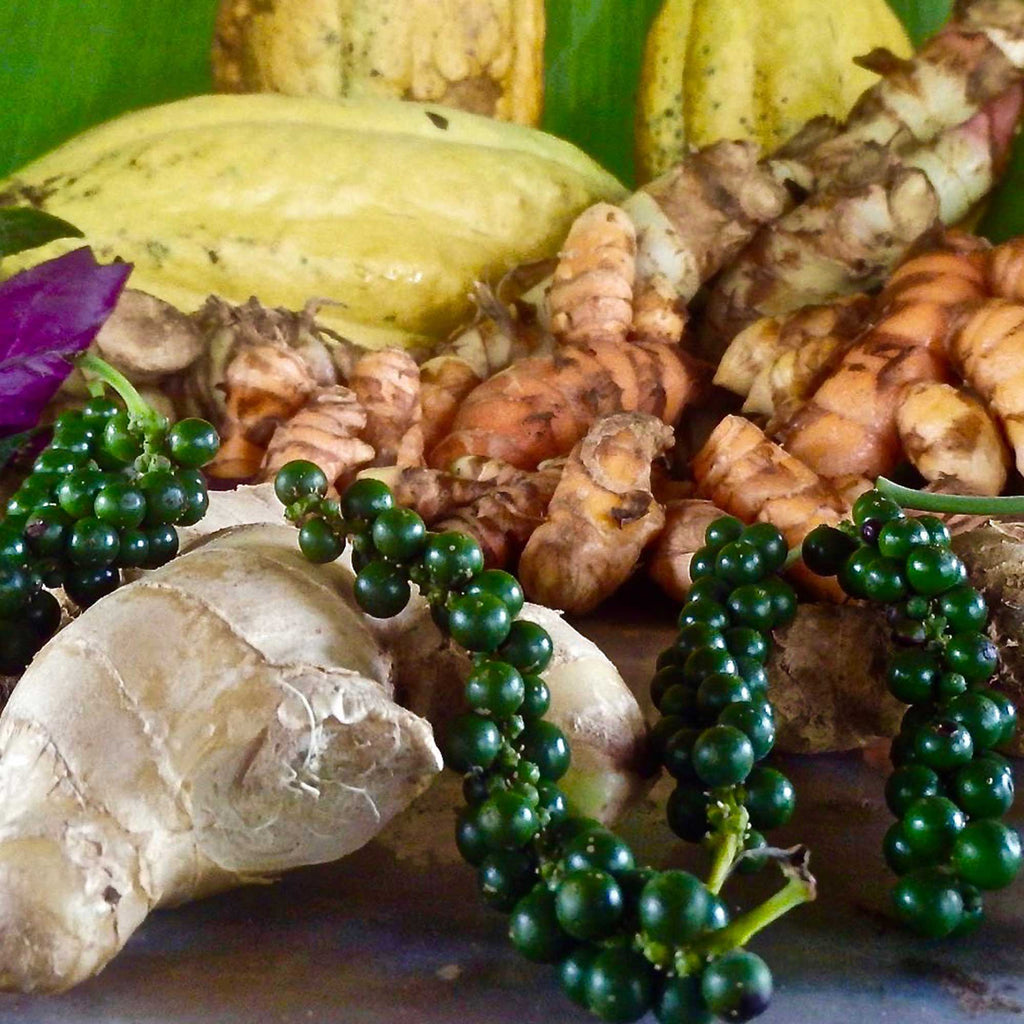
x: 68, y: 64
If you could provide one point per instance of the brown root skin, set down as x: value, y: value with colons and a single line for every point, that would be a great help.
x: 754, y: 479
x: 386, y: 383
x: 601, y: 515
x: 827, y: 677
x: 326, y: 431
x: 591, y: 295
x: 952, y: 441
x: 445, y: 383
x: 686, y: 520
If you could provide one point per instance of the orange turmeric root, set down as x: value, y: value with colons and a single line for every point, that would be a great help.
x: 540, y: 407
x: 386, y: 383
x: 950, y: 438
x: 325, y: 431
x: 601, y: 517
x: 743, y: 472
x: 848, y: 427
x: 266, y: 385
x: 686, y: 520
x: 988, y: 351
x: 591, y: 297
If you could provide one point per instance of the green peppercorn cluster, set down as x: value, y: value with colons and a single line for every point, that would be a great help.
x: 105, y: 494
x: 949, y: 787
x: 625, y: 939
x: 711, y: 687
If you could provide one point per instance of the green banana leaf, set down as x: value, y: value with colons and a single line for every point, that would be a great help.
x: 67, y: 64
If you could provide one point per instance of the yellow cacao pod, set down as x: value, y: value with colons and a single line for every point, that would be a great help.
x: 485, y: 56
x: 752, y: 69
x: 389, y: 210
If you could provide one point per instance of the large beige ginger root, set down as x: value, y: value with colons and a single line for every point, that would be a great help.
x: 601, y: 517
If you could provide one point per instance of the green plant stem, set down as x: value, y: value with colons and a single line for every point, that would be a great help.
x: 953, y: 504
x: 726, y: 842
x: 138, y: 408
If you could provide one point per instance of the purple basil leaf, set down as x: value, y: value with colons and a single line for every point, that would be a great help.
x: 48, y: 314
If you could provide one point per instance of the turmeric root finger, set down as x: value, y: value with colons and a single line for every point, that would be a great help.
x: 591, y: 296
x: 987, y: 352
x: 950, y: 438
x: 601, y: 515
x: 750, y: 477
x: 686, y: 521
x: 540, y: 407
x: 386, y: 383
x: 848, y: 426
x: 326, y: 432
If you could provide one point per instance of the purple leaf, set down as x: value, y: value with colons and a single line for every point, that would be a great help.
x: 48, y: 314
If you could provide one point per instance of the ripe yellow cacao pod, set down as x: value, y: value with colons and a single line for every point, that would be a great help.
x: 389, y: 210
x: 756, y: 70
x: 485, y: 56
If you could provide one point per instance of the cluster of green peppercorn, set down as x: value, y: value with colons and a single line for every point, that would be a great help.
x: 625, y: 939
x: 105, y: 494
x: 949, y: 786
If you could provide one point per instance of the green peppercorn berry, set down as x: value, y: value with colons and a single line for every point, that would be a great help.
x: 13, y: 549
x: 708, y: 613
x: 754, y: 675
x: 472, y: 741
x: 769, y: 798
x: 898, y: 852
x: 495, y: 687
x: 588, y: 903
x: 166, y: 501
x: 677, y: 754
x: 469, y: 837
x: 744, y: 642
x: 679, y: 701
x: 119, y: 504
x: 722, y: 531
x: 505, y: 876
x: 163, y: 545
x: 933, y: 569
x: 717, y: 691
x: 15, y: 591
x: 783, y: 598
x: 973, y: 655
x: 399, y: 534
x: 42, y: 614
x: 698, y: 633
x: 912, y: 676
x: 974, y: 910
x: 980, y: 716
x: 754, y: 858
x: 673, y: 907
x: 770, y: 543
x: 507, y: 820
x: 825, y: 550
x: 938, y: 532
x: 987, y: 854
x: 964, y: 608
x: 536, y: 697
x: 55, y: 460
x: 500, y: 584
x: 687, y: 812
x: 46, y: 531
x: 318, y: 542
x: 528, y: 647
x: 452, y: 559
x: 1008, y: 713
x: 931, y: 824
x: 943, y: 745
x: 740, y: 561
x: 574, y: 970
x: 897, y: 537
x: 122, y: 440
x: 681, y: 1001
x: 663, y: 680
x: 300, y: 479
x: 755, y: 721
x: 883, y: 580
x: 981, y: 790
x: 874, y: 505
x: 620, y: 985
x: 197, y: 499
x: 534, y: 930
x: 856, y: 570
x: 97, y: 411
x: 702, y: 564
x: 737, y: 985
x: 722, y: 756
x: 929, y: 901
x: 706, y: 661
x: 552, y: 802
x: 710, y: 588
x: 908, y: 784
x: 193, y: 443
x: 750, y: 604
x: 86, y: 586
x: 544, y: 744
x: 381, y: 589
x: 76, y: 491
x: 478, y: 622
x: 92, y: 544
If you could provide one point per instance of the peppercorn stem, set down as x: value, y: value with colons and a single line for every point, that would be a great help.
x: 800, y: 888
x: 138, y: 408
x: 726, y: 842
x: 953, y: 504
